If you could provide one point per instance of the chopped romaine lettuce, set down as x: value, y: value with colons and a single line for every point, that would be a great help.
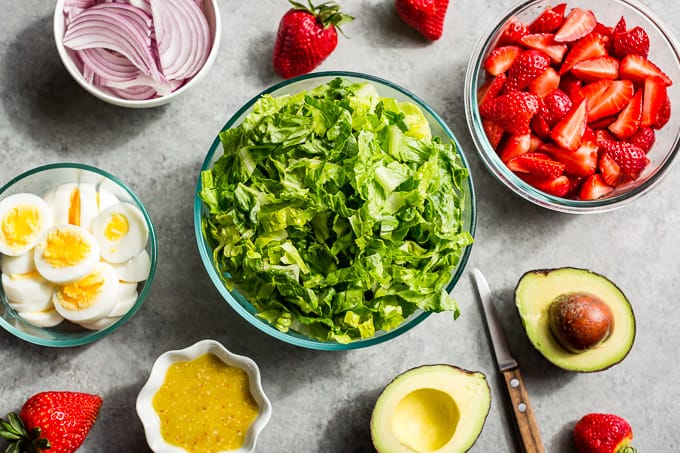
x: 335, y: 212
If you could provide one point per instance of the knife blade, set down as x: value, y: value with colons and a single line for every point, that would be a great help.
x: 525, y: 422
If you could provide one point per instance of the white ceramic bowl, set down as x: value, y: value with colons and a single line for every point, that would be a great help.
x: 151, y: 420
x: 212, y: 13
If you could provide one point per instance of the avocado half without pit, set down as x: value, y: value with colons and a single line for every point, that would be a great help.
x: 578, y: 319
x: 431, y: 408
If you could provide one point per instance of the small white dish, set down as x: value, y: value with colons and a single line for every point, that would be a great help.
x: 151, y: 420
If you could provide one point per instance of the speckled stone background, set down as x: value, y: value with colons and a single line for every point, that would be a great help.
x: 322, y: 400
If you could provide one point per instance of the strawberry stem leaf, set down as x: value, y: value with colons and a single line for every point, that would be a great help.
x: 327, y: 13
x: 20, y: 440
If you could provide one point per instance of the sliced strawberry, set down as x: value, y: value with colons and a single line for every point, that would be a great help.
x: 494, y: 132
x: 602, y: 123
x: 549, y: 20
x: 620, y: 26
x: 632, y: 42
x: 591, y: 91
x: 513, y: 111
x: 491, y: 88
x: 603, y: 135
x: 545, y: 83
x: 629, y: 157
x: 638, y: 68
x: 540, y: 127
x: 590, y: 46
x: 513, y: 146
x: 538, y: 164
x: 664, y: 114
x: 582, y: 162
x: 558, y: 187
x: 569, y: 131
x: 597, y: 68
x: 653, y: 100
x: 534, y: 143
x: 528, y: 65
x: 602, y: 29
x: 612, y: 101
x: 555, y: 106
x: 610, y: 170
x: 628, y: 120
x: 500, y: 59
x: 513, y: 33
x: 570, y: 85
x: 643, y: 139
x: 589, y: 135
x: 594, y: 187
x: 576, y: 25
x: 546, y: 44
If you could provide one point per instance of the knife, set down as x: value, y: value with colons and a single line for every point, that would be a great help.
x: 530, y: 435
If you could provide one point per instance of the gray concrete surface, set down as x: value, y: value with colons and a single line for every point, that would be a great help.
x: 323, y: 401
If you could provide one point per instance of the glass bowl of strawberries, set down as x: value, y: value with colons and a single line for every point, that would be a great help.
x: 569, y: 104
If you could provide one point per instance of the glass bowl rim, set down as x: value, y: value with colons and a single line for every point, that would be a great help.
x: 94, y: 335
x: 309, y: 342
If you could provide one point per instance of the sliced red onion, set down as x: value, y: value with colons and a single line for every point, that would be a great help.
x: 108, y: 65
x: 137, y: 93
x: 182, y: 35
x: 162, y: 88
x: 144, y: 5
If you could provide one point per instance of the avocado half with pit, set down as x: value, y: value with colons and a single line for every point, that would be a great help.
x: 431, y: 408
x: 578, y: 319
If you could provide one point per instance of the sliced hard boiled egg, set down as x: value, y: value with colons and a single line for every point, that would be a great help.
x: 24, y: 217
x: 27, y: 292
x: 74, y: 204
x: 100, y: 323
x: 21, y: 264
x: 105, y: 199
x: 90, y: 298
x: 44, y: 318
x: 134, y: 270
x: 121, y: 231
x: 66, y: 253
x: 127, y: 296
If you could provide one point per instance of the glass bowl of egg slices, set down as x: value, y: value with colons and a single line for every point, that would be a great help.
x: 77, y: 254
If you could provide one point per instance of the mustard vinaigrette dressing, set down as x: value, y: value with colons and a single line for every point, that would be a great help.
x: 205, y: 405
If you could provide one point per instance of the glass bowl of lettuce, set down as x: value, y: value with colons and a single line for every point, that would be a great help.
x: 335, y: 211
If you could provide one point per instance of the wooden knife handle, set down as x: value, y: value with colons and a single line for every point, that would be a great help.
x: 530, y: 435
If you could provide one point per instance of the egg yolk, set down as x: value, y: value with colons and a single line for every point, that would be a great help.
x: 74, y: 208
x: 117, y: 227
x: 81, y: 294
x: 20, y: 225
x: 65, y: 248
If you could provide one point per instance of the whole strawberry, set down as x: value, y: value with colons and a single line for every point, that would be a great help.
x: 426, y: 16
x: 603, y: 433
x: 54, y: 421
x: 307, y: 35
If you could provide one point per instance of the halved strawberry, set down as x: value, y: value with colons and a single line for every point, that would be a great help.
x: 576, y: 25
x: 617, y: 96
x: 559, y: 186
x: 545, y: 83
x: 513, y: 33
x: 546, y: 44
x: 632, y: 42
x: 664, y: 114
x: 643, y: 139
x: 638, y: 68
x: 594, y: 187
x: 591, y: 91
x: 528, y: 65
x: 610, y: 170
x: 494, y: 132
x: 602, y: 123
x: 538, y: 164
x: 629, y: 157
x: 549, y: 20
x: 514, y: 145
x: 628, y: 120
x: 500, y: 59
x: 597, y: 68
x: 568, y: 132
x: 513, y: 111
x: 590, y: 46
x: 570, y: 85
x: 555, y: 106
x: 491, y: 88
x: 582, y: 162
x: 653, y: 100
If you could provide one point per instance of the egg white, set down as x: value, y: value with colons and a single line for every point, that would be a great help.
x: 55, y: 258
x: 13, y: 211
x: 27, y: 292
x: 119, y: 245
x: 90, y: 298
x: 21, y: 264
x: 105, y: 199
x: 100, y: 324
x: 134, y: 270
x: 45, y: 318
x: 127, y: 296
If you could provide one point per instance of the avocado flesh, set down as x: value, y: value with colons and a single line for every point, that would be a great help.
x: 431, y: 408
x: 535, y: 292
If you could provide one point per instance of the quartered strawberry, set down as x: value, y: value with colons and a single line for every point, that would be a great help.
x: 491, y: 88
x: 582, y: 162
x: 628, y: 121
x: 546, y: 44
x: 589, y: 135
x: 603, y: 433
x: 555, y: 106
x: 610, y: 170
x: 602, y: 123
x: 632, y: 42
x: 591, y: 91
x: 494, y: 132
x: 513, y: 111
x: 501, y: 59
x: 602, y: 29
x: 425, y: 16
x: 528, y: 65
x: 549, y: 20
x: 514, y: 145
x: 604, y: 67
x: 568, y: 132
x: 534, y: 143
x: 590, y: 46
x: 643, y: 139
x: 620, y: 26
x: 653, y: 101
x: 664, y: 114
x: 513, y: 33
x: 638, y: 68
x: 629, y: 157
x: 538, y: 164
x: 545, y: 83
x: 594, y: 187
x: 576, y: 25
x: 558, y: 187
x: 570, y: 85
x: 614, y: 99
x: 540, y: 126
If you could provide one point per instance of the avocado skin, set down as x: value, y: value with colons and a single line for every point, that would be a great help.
x: 624, y: 302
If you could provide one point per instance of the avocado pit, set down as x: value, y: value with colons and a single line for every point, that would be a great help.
x: 580, y: 321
